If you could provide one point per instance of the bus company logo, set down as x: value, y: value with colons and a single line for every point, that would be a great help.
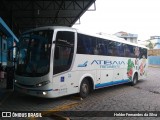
x: 107, y: 62
x: 83, y: 65
x: 104, y: 63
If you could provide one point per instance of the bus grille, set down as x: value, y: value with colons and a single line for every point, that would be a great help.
x: 31, y: 86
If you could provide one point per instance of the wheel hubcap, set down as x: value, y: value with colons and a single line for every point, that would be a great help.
x: 85, y: 88
x: 135, y: 80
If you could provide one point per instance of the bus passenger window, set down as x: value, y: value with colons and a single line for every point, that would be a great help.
x: 127, y: 51
x: 120, y: 49
x: 110, y: 48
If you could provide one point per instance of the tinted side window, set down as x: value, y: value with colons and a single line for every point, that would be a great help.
x: 143, y: 53
x: 126, y: 51
x: 112, y: 48
x: 116, y: 49
x: 86, y: 44
x: 131, y: 49
x: 65, y: 38
x: 120, y: 49
x: 98, y: 46
x: 101, y: 46
x: 80, y: 46
x: 64, y: 49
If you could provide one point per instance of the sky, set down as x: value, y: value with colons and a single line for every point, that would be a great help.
x: 140, y: 17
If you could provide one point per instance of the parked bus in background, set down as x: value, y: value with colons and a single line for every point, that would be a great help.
x: 58, y: 61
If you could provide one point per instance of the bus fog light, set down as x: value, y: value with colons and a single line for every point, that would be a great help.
x: 44, y: 93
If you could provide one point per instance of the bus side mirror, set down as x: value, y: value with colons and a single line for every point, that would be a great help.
x: 12, y: 54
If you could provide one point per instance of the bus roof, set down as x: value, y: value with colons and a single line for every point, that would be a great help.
x: 112, y: 37
x: 108, y: 37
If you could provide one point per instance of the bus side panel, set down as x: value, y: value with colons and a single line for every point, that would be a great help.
x: 113, y: 71
x: 107, y: 70
x: 66, y: 83
x: 143, y: 65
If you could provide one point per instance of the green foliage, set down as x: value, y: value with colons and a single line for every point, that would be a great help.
x: 151, y: 45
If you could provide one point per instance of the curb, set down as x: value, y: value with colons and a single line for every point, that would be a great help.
x: 154, y: 66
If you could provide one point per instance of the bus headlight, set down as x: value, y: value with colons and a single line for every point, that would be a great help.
x: 42, y: 83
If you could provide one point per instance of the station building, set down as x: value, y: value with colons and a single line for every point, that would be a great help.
x: 127, y: 36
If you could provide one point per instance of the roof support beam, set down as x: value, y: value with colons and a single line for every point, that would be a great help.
x: 34, y: 13
x: 60, y: 6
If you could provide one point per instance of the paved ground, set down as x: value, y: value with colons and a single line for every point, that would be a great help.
x: 145, y: 96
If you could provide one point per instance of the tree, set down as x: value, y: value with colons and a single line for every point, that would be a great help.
x: 151, y: 45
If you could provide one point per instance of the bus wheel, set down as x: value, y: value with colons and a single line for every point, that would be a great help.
x: 135, y: 80
x: 84, y: 88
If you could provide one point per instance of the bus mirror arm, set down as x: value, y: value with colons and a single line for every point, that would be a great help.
x: 10, y: 53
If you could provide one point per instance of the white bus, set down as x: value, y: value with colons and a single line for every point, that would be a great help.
x: 58, y: 61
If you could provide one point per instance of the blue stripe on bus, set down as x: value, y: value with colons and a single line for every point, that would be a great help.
x: 111, y: 83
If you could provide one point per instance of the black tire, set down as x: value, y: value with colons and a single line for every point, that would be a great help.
x: 84, y: 88
x: 135, y: 80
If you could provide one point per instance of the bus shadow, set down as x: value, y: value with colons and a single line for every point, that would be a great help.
x: 116, y: 87
x: 38, y: 100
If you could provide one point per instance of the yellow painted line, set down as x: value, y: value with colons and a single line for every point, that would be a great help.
x: 32, y: 118
x: 60, y: 108
x: 52, y: 112
x: 59, y: 117
x: 5, y: 98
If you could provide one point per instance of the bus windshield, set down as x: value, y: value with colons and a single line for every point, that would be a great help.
x: 34, y: 53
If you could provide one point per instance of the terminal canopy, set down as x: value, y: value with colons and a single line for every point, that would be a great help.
x: 22, y: 15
